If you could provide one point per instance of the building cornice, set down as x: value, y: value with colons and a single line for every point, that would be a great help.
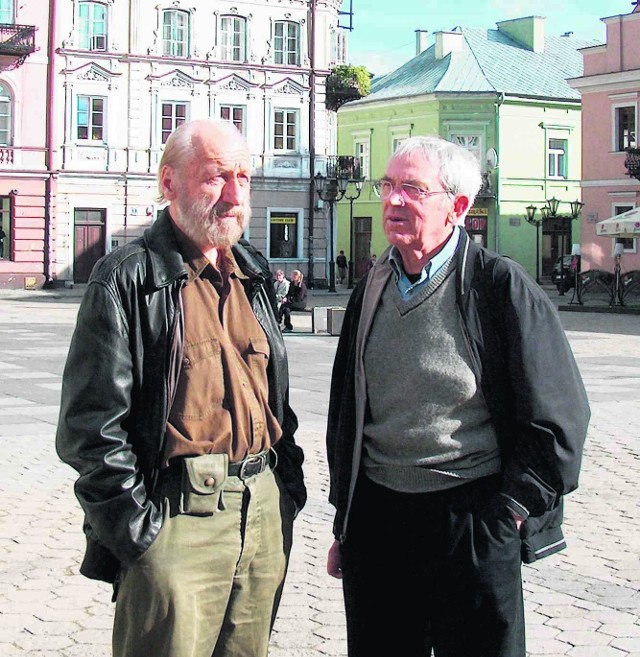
x: 603, y: 81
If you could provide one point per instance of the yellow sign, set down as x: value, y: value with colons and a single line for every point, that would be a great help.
x: 478, y: 212
x: 284, y: 220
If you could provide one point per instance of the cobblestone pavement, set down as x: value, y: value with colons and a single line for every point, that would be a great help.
x: 583, y: 602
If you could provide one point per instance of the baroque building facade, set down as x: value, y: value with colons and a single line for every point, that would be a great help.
x: 129, y: 72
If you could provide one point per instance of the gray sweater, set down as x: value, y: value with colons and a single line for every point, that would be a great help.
x: 427, y: 426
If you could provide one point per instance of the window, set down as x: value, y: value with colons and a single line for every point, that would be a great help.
x: 173, y: 115
x: 234, y: 114
x: 92, y: 26
x: 396, y: 142
x: 286, y: 43
x: 233, y: 38
x: 90, y: 118
x: 5, y: 227
x: 629, y: 243
x: 175, y: 33
x: 557, y: 158
x: 472, y: 143
x: 283, y: 233
x: 6, y: 120
x: 285, y: 130
x: 625, y: 128
x: 7, y: 12
x: 362, y: 153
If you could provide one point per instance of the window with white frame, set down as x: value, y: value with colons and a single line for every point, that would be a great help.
x: 629, y: 243
x: 361, y: 151
x: 92, y: 26
x: 283, y: 234
x: 285, y: 130
x: 234, y: 114
x: 175, y: 33
x: 6, y: 116
x: 286, y: 43
x: 625, y: 128
x: 233, y: 38
x: 5, y: 227
x: 7, y: 12
x: 557, y: 154
x: 90, y: 124
x: 174, y: 114
x: 471, y: 143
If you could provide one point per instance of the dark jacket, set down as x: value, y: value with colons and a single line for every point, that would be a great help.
x: 529, y: 379
x: 119, y: 382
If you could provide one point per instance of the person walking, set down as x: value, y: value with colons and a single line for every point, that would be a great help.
x: 175, y: 414
x: 341, y: 263
x: 296, y: 299
x: 450, y: 447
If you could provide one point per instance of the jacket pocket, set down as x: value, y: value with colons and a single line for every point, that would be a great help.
x: 202, y: 480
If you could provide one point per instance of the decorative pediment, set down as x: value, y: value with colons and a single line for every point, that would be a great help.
x: 92, y: 72
x: 233, y: 83
x: 176, y: 79
x: 288, y: 87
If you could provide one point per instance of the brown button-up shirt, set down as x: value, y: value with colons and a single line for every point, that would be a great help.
x: 221, y: 403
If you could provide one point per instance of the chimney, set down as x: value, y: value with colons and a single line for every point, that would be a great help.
x: 527, y: 31
x: 447, y: 42
x: 422, y: 41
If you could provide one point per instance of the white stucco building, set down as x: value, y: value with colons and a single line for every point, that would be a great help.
x: 130, y: 71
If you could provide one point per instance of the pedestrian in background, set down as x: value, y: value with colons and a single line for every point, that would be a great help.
x: 371, y: 261
x: 341, y: 262
x: 450, y: 447
x: 174, y: 413
x: 280, y: 287
x: 296, y: 299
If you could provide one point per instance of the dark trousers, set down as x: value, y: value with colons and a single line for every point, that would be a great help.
x: 433, y: 571
x: 285, y: 312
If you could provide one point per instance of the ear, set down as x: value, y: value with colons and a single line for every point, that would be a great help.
x: 460, y: 206
x: 167, y: 181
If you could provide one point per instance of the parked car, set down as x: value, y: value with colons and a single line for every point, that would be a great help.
x: 563, y: 277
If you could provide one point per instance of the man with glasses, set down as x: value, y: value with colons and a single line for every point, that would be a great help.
x: 449, y: 447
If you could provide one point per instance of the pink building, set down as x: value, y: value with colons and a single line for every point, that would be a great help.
x: 610, y: 89
x: 27, y: 184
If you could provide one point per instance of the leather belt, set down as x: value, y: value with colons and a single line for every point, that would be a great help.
x: 252, y: 465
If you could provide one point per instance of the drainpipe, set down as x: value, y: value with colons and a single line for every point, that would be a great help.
x: 48, y: 185
x: 312, y: 145
x: 498, y: 104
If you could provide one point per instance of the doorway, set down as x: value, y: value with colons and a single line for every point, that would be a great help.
x: 89, y: 240
x: 362, y: 239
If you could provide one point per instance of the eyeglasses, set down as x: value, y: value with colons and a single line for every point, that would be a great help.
x: 384, y: 189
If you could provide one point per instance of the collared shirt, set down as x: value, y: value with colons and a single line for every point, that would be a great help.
x: 407, y: 288
x: 222, y: 399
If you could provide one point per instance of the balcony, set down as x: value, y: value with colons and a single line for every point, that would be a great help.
x: 632, y: 162
x: 346, y: 83
x: 17, y: 40
x: 486, y: 189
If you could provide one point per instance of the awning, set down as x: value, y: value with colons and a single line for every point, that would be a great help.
x: 626, y: 225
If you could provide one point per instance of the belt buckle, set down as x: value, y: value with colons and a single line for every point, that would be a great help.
x: 252, y: 466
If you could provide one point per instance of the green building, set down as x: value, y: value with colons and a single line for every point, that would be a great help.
x: 501, y: 93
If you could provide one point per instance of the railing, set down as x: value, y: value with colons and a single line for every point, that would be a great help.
x: 341, y: 90
x: 632, y: 162
x: 6, y: 155
x: 17, y: 40
x: 486, y: 189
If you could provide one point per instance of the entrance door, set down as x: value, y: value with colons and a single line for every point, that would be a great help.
x: 362, y: 238
x: 89, y: 241
x: 556, y: 237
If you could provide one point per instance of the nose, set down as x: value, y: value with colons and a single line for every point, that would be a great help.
x: 234, y: 192
x: 396, y: 197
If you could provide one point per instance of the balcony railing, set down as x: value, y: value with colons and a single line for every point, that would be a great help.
x: 6, y: 155
x: 486, y: 189
x: 18, y: 40
x: 340, y: 91
x: 632, y: 162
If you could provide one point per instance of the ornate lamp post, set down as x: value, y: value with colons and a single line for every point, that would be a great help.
x: 351, y: 198
x: 331, y: 189
x: 552, y: 205
x: 531, y: 218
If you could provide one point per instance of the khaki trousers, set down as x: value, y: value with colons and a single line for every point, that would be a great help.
x: 208, y: 585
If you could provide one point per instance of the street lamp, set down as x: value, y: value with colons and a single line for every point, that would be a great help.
x: 531, y: 218
x: 351, y: 198
x: 331, y: 189
x: 552, y: 205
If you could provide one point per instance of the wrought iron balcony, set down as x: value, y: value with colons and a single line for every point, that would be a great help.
x: 632, y: 162
x: 344, y: 166
x: 486, y: 189
x: 341, y: 90
x: 17, y: 40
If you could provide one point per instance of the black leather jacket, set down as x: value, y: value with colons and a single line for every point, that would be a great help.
x: 122, y: 368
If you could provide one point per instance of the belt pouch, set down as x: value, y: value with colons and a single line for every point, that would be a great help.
x: 202, y: 481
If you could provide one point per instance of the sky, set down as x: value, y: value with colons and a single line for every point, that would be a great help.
x: 383, y: 39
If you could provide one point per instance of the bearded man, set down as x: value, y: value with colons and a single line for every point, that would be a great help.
x: 175, y: 414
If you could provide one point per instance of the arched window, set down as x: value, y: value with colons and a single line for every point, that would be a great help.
x: 6, y: 116
x: 233, y: 38
x: 175, y: 33
x: 92, y: 26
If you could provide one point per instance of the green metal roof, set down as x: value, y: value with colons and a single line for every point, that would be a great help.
x: 491, y: 61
